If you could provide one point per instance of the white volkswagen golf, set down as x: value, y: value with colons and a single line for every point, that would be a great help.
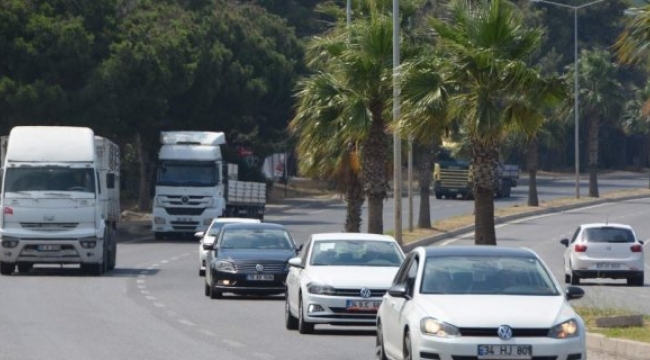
x: 604, y: 251
x: 478, y: 302
x: 339, y: 279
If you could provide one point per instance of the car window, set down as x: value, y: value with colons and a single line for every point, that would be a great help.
x: 609, y: 235
x: 355, y: 253
x: 256, y: 239
x: 481, y: 275
x: 215, y: 228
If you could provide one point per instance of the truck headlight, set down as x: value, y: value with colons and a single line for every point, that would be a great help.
x: 565, y: 330
x: 159, y: 201
x: 88, y: 242
x: 435, y: 327
x: 9, y: 242
x: 159, y: 220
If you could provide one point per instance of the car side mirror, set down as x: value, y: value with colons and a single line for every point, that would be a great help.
x: 398, y: 291
x: 199, y: 234
x: 641, y: 241
x: 297, y: 262
x: 208, y: 246
x: 574, y: 292
x: 299, y: 248
x: 565, y: 242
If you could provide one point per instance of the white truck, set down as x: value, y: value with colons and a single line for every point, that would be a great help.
x: 193, y: 185
x: 60, y: 199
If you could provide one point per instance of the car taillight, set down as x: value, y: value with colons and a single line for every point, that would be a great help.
x: 636, y: 248
x: 580, y: 248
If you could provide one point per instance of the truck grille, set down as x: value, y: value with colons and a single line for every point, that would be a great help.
x: 454, y: 178
x: 184, y: 211
x: 48, y: 227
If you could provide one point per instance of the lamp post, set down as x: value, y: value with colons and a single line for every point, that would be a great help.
x: 575, y: 80
x: 397, y: 142
x: 348, y: 12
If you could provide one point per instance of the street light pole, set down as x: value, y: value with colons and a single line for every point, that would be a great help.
x: 397, y: 142
x: 348, y: 12
x: 575, y: 81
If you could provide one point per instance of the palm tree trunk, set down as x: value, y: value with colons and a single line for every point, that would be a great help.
x: 426, y: 158
x: 531, y: 160
x: 594, y: 126
x: 374, y: 166
x: 354, y: 198
x: 144, y: 197
x: 485, y: 169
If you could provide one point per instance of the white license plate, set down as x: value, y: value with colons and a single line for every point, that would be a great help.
x: 613, y: 266
x: 49, y: 247
x: 505, y: 352
x: 260, y: 277
x: 184, y: 220
x: 362, y: 305
x: 453, y: 190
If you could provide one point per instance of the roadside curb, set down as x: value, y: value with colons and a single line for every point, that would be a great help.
x: 620, y: 349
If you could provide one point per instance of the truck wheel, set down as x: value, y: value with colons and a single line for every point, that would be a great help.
x: 7, y: 268
x: 159, y: 235
x: 109, y: 237
x: 438, y: 195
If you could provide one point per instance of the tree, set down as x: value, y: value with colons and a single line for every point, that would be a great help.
x: 358, y: 62
x: 636, y: 118
x: 498, y: 92
x: 601, y: 101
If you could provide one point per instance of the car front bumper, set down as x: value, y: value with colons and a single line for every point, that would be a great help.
x: 337, y: 310
x: 239, y: 283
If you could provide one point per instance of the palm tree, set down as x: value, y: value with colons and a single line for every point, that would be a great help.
x: 601, y: 100
x: 495, y: 90
x: 636, y: 119
x: 356, y: 64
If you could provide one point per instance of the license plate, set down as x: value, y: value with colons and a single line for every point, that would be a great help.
x: 49, y: 247
x: 505, y: 352
x: 259, y: 277
x: 453, y: 190
x: 608, y: 266
x: 184, y: 220
x: 362, y: 305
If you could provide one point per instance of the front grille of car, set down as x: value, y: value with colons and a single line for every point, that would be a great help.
x: 357, y: 313
x: 357, y: 292
x: 269, y: 267
x: 48, y: 227
x: 492, y: 332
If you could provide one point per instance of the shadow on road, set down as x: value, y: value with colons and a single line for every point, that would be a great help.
x: 346, y: 332
x: 74, y: 271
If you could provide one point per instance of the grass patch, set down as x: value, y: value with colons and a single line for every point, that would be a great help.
x: 589, y: 314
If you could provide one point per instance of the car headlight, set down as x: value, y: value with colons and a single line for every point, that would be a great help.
x: 315, y: 288
x: 223, y: 265
x: 435, y: 327
x: 567, y: 329
x: 9, y: 242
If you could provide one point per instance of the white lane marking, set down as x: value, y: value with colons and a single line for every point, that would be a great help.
x: 264, y: 356
x: 207, y: 332
x: 164, y: 261
x: 150, y: 297
x: 232, y: 343
x: 142, y: 286
x: 186, y: 322
x: 160, y: 305
x: 140, y: 281
x: 145, y: 292
x: 171, y: 313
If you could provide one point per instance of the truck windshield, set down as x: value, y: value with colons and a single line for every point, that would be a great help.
x: 49, y: 179
x: 176, y: 173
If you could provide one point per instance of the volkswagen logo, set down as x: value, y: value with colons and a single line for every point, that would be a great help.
x: 185, y: 199
x: 365, y: 293
x: 504, y: 332
x: 259, y: 267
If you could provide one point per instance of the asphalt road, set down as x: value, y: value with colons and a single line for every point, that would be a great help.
x: 152, y: 306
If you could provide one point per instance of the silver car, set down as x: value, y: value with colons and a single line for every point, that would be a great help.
x: 602, y: 250
x: 211, y: 233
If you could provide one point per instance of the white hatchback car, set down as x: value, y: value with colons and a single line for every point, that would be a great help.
x: 211, y: 233
x: 478, y: 302
x: 339, y: 279
x: 604, y: 251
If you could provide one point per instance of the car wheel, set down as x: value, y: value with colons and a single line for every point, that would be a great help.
x: 636, y: 280
x: 303, y: 326
x: 407, y: 346
x: 567, y: 278
x: 575, y: 279
x: 25, y: 267
x: 290, y: 321
x: 7, y: 268
x: 379, y: 344
x: 206, y: 288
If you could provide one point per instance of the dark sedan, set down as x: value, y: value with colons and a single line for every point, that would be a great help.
x: 249, y: 259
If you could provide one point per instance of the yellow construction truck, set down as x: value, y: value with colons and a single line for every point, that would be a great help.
x: 452, y: 178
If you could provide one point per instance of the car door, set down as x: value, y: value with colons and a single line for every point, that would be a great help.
x: 295, y: 277
x: 394, y: 307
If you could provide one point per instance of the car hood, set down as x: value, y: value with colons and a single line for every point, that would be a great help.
x: 495, y: 310
x: 268, y: 255
x: 376, y: 277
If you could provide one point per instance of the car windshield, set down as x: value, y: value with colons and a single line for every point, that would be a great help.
x: 609, y: 235
x: 215, y: 228
x: 256, y: 239
x: 483, y: 275
x: 355, y: 253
